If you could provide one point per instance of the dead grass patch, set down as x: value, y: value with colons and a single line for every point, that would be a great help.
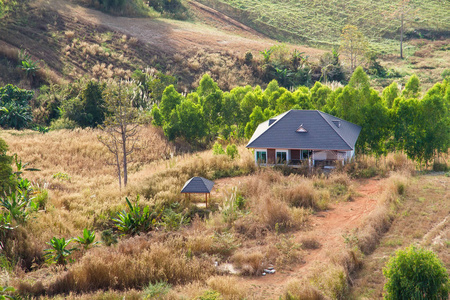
x: 249, y: 262
x: 302, y: 290
x: 132, y: 264
x: 229, y: 287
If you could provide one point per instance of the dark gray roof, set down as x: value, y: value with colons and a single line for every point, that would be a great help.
x: 197, y: 185
x: 324, y: 132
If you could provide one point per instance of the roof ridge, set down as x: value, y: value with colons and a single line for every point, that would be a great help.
x: 271, y: 126
x: 320, y: 113
x: 201, y: 179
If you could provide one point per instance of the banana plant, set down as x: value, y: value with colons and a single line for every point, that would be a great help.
x: 58, y: 251
x: 87, y: 240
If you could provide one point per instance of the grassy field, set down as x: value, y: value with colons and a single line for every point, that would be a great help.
x: 256, y: 218
x: 320, y: 22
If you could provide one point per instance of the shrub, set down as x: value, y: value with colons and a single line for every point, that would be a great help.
x: 6, y: 181
x: 16, y: 101
x: 156, y: 290
x: 232, y: 151
x: 63, y: 123
x: 136, y: 220
x: 416, y: 273
x: 218, y: 149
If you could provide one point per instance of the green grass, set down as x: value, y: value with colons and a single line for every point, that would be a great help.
x: 318, y: 22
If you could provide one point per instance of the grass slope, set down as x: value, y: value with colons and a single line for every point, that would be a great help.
x: 318, y: 22
x: 423, y: 219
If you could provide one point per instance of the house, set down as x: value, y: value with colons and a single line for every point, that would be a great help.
x: 304, y: 136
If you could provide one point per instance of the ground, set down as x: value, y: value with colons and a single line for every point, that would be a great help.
x: 328, y: 227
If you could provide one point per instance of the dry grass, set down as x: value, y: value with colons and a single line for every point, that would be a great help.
x: 379, y: 220
x: 229, y: 287
x: 301, y: 290
x: 249, y: 262
x: 132, y: 264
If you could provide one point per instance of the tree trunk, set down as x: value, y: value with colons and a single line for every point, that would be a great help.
x: 118, y: 171
x: 401, y: 38
x: 124, y: 146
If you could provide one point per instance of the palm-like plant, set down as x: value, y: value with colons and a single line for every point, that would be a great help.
x: 16, y: 204
x: 6, y: 291
x: 58, y: 251
x: 87, y: 239
x: 135, y: 221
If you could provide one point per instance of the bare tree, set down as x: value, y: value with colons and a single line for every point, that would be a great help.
x: 353, y: 44
x: 404, y: 12
x: 121, y: 126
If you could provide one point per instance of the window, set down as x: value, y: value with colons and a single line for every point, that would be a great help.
x: 304, y: 154
x: 261, y: 157
x: 281, y: 157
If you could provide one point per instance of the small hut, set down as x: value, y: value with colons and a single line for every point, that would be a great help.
x: 198, y: 185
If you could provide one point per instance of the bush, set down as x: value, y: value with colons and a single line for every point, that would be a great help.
x: 18, y: 111
x: 6, y: 179
x: 218, y: 149
x: 416, y: 273
x: 62, y: 123
x: 232, y: 151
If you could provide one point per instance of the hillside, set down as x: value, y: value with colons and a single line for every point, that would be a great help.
x: 69, y: 41
x: 72, y: 40
x: 321, y: 22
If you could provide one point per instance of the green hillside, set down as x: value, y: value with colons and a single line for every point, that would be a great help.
x: 318, y: 22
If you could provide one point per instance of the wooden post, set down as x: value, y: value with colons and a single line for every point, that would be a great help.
x: 206, y: 196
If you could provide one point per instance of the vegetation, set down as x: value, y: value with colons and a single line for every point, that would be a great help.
x: 320, y: 23
x: 416, y: 273
x: 59, y: 250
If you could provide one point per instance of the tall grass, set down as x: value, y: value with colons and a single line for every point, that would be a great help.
x: 132, y: 264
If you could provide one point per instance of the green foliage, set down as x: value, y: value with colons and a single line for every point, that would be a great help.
x: 28, y: 64
x: 170, y: 8
x: 87, y: 240
x: 218, y: 149
x: 108, y: 237
x: 232, y: 151
x: 59, y: 251
x: 416, y: 273
x: 412, y: 88
x: 16, y: 205
x: 7, y: 291
x: 6, y: 174
x: 61, y: 176
x: 157, y: 290
x: 172, y: 220
x: 136, y: 220
x: 16, y: 102
x: 63, y: 123
x: 88, y: 108
x: 210, y: 295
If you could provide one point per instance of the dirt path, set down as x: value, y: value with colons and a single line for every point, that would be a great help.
x: 172, y: 36
x: 327, y: 227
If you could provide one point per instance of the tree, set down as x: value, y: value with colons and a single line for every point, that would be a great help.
x: 390, y: 93
x: 416, y: 273
x: 412, y: 88
x: 353, y: 44
x: 403, y: 11
x: 170, y: 99
x: 121, y: 127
